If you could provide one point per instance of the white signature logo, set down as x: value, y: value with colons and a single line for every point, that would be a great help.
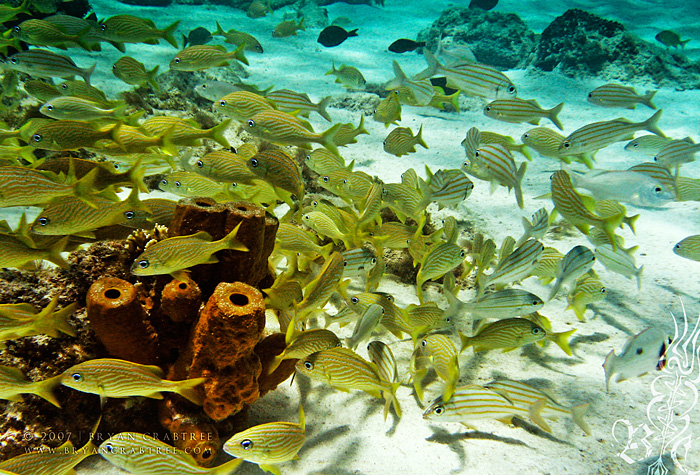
x: 667, y: 433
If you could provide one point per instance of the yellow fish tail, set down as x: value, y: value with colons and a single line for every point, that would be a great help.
x: 562, y: 339
x: 168, y: 34
x: 217, y: 133
x: 187, y: 389
x: 327, y: 139
x: 44, y: 389
x: 553, y: 115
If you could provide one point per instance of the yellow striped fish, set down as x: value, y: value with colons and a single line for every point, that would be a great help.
x: 325, y: 226
x: 43, y: 63
x: 71, y: 215
x: 411, y: 92
x: 507, y: 334
x: 242, y: 105
x: 616, y: 95
x: 185, y: 132
x: 546, y: 142
x: 688, y: 248
x: 587, y: 290
x: 349, y: 76
x: 21, y: 186
x: 223, y: 165
x: 676, y: 153
x: 133, y: 72
x: 78, y: 108
x: 648, y: 145
x: 620, y: 261
x: 238, y: 38
x: 176, y: 254
x: 20, y: 320
x: 82, y: 89
x: 199, y: 57
x: 17, y: 252
x: 504, y: 303
x: 546, y: 268
x: 319, y: 290
x: 279, y: 169
x: 61, y: 460
x: 358, y: 261
x: 473, y: 403
x: 517, y: 110
x: 13, y: 383
x: 421, y: 319
x: 365, y: 324
x: 440, y: 259
x: 109, y: 377
x: 516, y: 266
x: 43, y: 33
x: 444, y: 358
x: 401, y: 141
x: 393, y: 318
x: 283, y: 295
x: 592, y: 137
x: 347, y: 134
x: 381, y: 355
x: 659, y: 173
x: 344, y: 369
x: 142, y: 454
x: 131, y: 29
x: 525, y: 396
x: 294, y: 239
x: 184, y: 183
x: 501, y: 168
x: 285, y: 129
x: 448, y: 188
x: 70, y: 135
x: 570, y: 205
x: 304, y: 343
x: 471, y: 78
x: 290, y: 101
x: 372, y: 204
x: 268, y: 444
x: 578, y: 261
x: 388, y: 111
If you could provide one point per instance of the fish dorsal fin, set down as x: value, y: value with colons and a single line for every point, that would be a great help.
x: 534, y: 103
x: 155, y: 370
x: 203, y: 235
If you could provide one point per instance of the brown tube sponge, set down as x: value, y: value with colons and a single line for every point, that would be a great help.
x: 120, y: 321
x: 222, y: 349
x: 190, y: 430
x: 181, y: 299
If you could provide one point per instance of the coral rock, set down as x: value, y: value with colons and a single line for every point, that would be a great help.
x: 181, y: 300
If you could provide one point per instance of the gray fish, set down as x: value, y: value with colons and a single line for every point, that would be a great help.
x: 198, y: 36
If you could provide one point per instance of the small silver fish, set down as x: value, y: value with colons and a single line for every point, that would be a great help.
x: 642, y: 353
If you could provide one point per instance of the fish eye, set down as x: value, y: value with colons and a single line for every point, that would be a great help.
x: 103, y: 27
x: 314, y: 203
x: 37, y: 137
x: 114, y: 66
x: 64, y: 86
x: 247, y: 444
x: 354, y: 299
x: 14, y: 60
x: 635, y: 144
x: 345, y: 263
x: 462, y: 254
x: 178, y: 184
x: 16, y: 29
x: 536, y: 331
x: 77, y: 377
x: 476, y: 154
x: 200, y: 163
x: 143, y: 263
x: 603, y: 290
x: 424, y: 343
x: 535, y: 302
x: 176, y: 60
x: 345, y: 181
x: 254, y: 162
x: 448, y: 319
x: 656, y: 158
x: 374, y: 260
x: 129, y: 214
x: 258, y: 48
x: 590, y: 94
x: 438, y: 410
x: 308, y: 365
x: 43, y: 221
x: 526, y: 135
x: 206, y: 453
x: 163, y: 181
x: 49, y: 107
x: 487, y: 109
x: 222, y: 103
x: 251, y: 123
x: 326, y: 179
x: 204, y: 86
x: 109, y: 448
x: 566, y: 144
x: 639, y: 351
x: 658, y: 189
x: 511, y: 89
x: 234, y: 185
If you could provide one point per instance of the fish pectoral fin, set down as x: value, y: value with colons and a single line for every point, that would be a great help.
x: 535, y: 414
x: 375, y: 393
x: 270, y: 468
x: 181, y: 275
x: 154, y: 395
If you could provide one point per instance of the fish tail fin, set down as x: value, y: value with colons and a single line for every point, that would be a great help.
x: 239, y: 54
x: 419, y: 138
x: 579, y: 310
x: 327, y: 139
x: 399, y: 79
x: 465, y: 340
x: 219, y: 31
x: 326, y: 250
x: 301, y: 25
x: 187, y: 389
x: 562, y: 341
x: 391, y: 400
x: 433, y: 66
x: 226, y: 468
x: 354, y: 33
x: 217, y: 133
x: 554, y: 115
x: 88, y: 72
x: 322, y: 108
x: 555, y: 289
x: 85, y: 187
x: 79, y: 38
x: 275, y: 363
x: 646, y: 99
x: 535, y: 411
x: 651, y: 124
x: 577, y: 414
x: 683, y: 43
x: 168, y: 34
x: 454, y: 100
x: 518, y: 184
x: 333, y: 70
x: 44, y: 389
x: 609, y: 367
x: 55, y: 253
x: 638, y: 276
x: 60, y: 319
x: 151, y: 78
x: 184, y: 41
x: 360, y: 129
x: 231, y: 242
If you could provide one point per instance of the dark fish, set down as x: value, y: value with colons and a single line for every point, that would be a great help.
x: 404, y: 45
x: 483, y: 4
x: 198, y: 36
x: 334, y: 35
